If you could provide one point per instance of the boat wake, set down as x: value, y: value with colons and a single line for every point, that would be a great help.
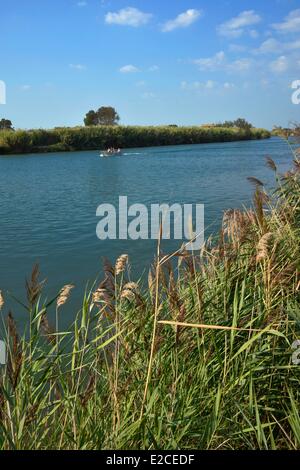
x: 123, y: 154
x: 132, y: 153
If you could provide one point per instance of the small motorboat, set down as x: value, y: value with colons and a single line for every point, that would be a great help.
x: 110, y: 152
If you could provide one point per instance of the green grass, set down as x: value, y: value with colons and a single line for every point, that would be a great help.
x: 95, y: 138
x: 200, y: 359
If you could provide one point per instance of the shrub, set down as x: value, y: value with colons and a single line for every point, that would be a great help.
x: 97, y: 138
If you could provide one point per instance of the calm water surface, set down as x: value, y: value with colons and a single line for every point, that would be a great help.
x: 48, y: 204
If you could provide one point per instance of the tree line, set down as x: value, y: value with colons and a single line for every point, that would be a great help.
x: 102, y: 137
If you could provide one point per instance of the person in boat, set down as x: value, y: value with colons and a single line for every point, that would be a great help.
x: 112, y: 150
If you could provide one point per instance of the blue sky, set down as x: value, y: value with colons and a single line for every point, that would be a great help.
x: 158, y: 62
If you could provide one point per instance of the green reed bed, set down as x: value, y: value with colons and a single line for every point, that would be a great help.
x: 200, y: 359
x: 102, y: 137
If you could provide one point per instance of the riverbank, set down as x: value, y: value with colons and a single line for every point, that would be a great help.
x: 203, y: 358
x: 97, y: 138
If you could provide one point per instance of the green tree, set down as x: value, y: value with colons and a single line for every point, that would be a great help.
x: 228, y: 124
x: 242, y: 124
x: 91, y: 118
x: 6, y: 124
x: 104, y: 116
x: 108, y: 116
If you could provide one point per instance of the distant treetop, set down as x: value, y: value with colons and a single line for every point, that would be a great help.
x: 239, y: 123
x: 104, y: 116
x: 6, y: 124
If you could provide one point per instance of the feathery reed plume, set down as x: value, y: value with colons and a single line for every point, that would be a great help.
x: 180, y: 319
x: 297, y: 165
x: 105, y: 295
x: 236, y: 225
x: 128, y: 294
x: 64, y: 295
x: 46, y: 329
x: 121, y: 264
x: 34, y: 286
x: 133, y: 286
x: 150, y: 279
x: 260, y: 199
x: 1, y: 300
x: 130, y: 291
x: 99, y: 295
x: 108, y: 268
x: 151, y: 283
x: 285, y: 275
x: 255, y: 181
x: 12, y: 331
x: 263, y: 247
x: 271, y: 164
x: 15, y: 354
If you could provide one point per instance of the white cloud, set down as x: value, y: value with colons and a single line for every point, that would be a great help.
x: 228, y: 86
x: 209, y: 85
x: 265, y: 82
x: 253, y: 33
x: 291, y: 23
x: 220, y: 62
x: 240, y: 65
x: 82, y: 4
x: 211, y: 63
x: 268, y: 46
x: 132, y: 68
x: 235, y: 27
x: 128, y: 17
x: 129, y: 69
x: 280, y: 65
x: 77, y: 66
x: 271, y: 45
x: 293, y: 45
x: 183, y: 20
x: 148, y: 95
x: 25, y: 87
x: 237, y: 48
x: 204, y: 86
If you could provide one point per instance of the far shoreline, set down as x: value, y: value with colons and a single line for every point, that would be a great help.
x: 91, y: 138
